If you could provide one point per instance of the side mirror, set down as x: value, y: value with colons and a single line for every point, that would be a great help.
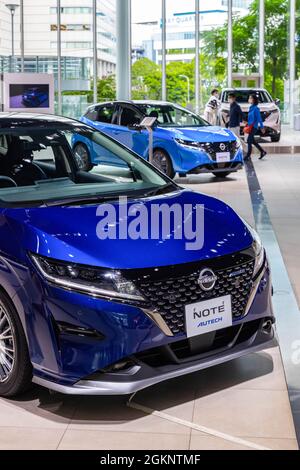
x: 134, y: 127
x: 277, y: 101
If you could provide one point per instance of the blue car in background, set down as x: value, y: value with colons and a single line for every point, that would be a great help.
x: 184, y: 143
x: 34, y: 97
x: 81, y: 313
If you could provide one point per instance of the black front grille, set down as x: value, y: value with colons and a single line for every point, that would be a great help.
x: 170, y: 296
x: 234, y: 166
x: 213, y: 148
x: 185, y: 350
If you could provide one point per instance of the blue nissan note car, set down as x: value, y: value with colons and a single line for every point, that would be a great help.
x: 34, y: 97
x: 184, y: 143
x: 84, y: 314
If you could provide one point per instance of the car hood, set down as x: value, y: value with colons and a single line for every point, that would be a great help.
x: 69, y: 234
x: 204, y: 134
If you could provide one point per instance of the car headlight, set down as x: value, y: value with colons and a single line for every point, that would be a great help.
x: 258, y: 248
x: 237, y: 144
x: 269, y: 113
x: 189, y: 143
x: 87, y: 279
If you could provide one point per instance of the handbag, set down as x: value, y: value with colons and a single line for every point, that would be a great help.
x: 248, y: 129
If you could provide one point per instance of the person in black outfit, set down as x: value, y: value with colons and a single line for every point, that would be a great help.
x: 236, y: 115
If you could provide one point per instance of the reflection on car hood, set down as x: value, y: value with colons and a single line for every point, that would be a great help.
x: 69, y: 233
x: 204, y: 134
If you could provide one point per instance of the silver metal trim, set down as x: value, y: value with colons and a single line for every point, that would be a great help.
x: 201, y: 281
x: 254, y: 290
x: 123, y: 387
x: 156, y: 317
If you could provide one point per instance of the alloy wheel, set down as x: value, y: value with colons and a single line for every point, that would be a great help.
x: 160, y: 160
x: 7, y: 346
x: 82, y: 157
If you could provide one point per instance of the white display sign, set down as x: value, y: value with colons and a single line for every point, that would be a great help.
x: 209, y: 315
x: 223, y: 157
x: 28, y: 92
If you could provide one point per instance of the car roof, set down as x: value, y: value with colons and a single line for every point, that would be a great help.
x: 244, y: 89
x: 18, y: 119
x: 136, y: 102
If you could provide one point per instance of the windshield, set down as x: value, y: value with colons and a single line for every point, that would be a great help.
x: 172, y: 116
x: 44, y: 163
x: 243, y: 96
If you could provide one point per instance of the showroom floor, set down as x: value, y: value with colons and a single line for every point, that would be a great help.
x: 243, y: 404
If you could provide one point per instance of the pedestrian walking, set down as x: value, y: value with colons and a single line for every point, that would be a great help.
x: 255, y: 122
x: 236, y: 117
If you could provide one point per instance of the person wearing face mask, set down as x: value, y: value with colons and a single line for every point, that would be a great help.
x: 255, y: 122
x: 212, y: 106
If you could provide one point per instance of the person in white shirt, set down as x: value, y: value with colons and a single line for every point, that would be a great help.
x: 212, y: 107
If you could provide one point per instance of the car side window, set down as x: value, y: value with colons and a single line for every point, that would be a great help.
x: 3, y: 145
x: 105, y: 114
x: 129, y: 116
x: 91, y: 114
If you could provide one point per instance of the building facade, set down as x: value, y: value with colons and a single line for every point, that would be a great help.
x: 181, y: 29
x: 40, y: 30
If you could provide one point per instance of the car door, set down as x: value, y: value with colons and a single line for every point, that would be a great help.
x: 103, y: 117
x: 138, y: 141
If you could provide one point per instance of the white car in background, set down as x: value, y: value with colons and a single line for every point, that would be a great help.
x: 269, y: 109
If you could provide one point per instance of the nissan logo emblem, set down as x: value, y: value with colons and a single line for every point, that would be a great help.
x: 222, y: 147
x: 207, y: 279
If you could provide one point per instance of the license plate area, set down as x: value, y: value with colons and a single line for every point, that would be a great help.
x: 223, y: 157
x: 208, y: 315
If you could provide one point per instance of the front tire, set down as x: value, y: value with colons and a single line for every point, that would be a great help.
x: 222, y: 174
x: 83, y: 156
x: 163, y: 162
x: 15, y: 365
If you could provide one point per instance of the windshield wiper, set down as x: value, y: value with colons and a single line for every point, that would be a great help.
x: 82, y: 200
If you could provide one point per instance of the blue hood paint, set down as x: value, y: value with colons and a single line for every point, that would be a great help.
x: 69, y: 233
x: 202, y: 134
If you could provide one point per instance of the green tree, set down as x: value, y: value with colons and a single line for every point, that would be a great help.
x: 177, y: 86
x: 146, y: 80
x: 147, y: 76
x: 245, y: 43
x: 106, y: 88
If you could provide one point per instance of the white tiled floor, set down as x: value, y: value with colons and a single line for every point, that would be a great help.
x: 245, y: 398
x: 280, y: 183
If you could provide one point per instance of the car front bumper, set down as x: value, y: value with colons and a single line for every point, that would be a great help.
x: 217, y: 168
x: 195, y: 161
x: 141, y: 375
x: 134, y: 351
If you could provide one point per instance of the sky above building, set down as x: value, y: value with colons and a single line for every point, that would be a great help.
x: 148, y: 11
x: 151, y: 10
